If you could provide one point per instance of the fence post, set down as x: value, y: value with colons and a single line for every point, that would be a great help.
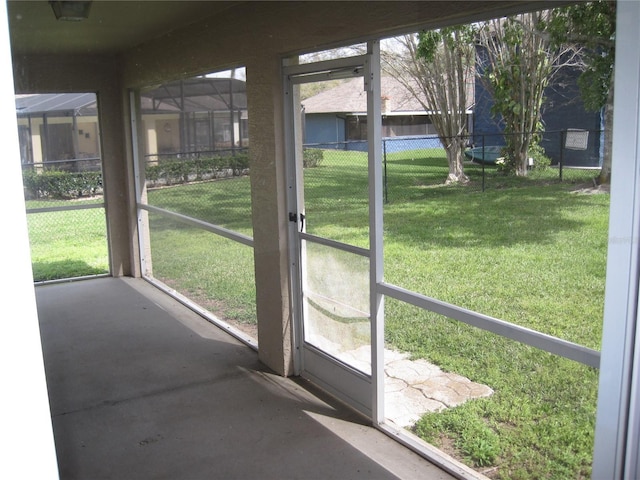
x: 384, y: 149
x: 483, y: 142
x: 562, y: 134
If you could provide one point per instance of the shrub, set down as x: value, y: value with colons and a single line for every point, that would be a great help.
x: 312, y: 157
x: 239, y: 163
x: 153, y: 172
x: 184, y: 171
x: 61, y: 185
x: 540, y: 159
x: 506, y: 163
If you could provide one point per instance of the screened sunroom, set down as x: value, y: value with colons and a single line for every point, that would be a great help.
x: 265, y: 311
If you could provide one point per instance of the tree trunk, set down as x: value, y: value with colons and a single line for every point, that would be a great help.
x: 456, y: 168
x: 518, y: 147
x: 605, y: 172
x: 523, y: 159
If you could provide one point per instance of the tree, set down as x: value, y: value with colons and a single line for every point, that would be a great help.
x: 518, y: 61
x: 435, y: 66
x: 593, y: 25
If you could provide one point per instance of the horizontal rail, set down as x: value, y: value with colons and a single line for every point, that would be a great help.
x: 345, y: 247
x: 223, y: 232
x: 44, y: 163
x: 360, y: 313
x: 65, y: 208
x: 197, y: 153
x: 346, y: 64
x: 520, y: 334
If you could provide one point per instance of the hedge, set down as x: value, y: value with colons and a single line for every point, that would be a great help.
x: 61, y: 185
x: 182, y: 171
x: 66, y: 185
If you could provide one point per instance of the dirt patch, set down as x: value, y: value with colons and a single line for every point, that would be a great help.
x: 591, y: 189
x: 217, y: 309
x: 446, y: 445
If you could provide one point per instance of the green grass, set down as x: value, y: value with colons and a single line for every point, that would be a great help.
x: 533, y: 258
x: 222, y: 202
x: 539, y: 423
x: 215, y: 272
x: 528, y: 250
x: 67, y: 244
x: 531, y: 251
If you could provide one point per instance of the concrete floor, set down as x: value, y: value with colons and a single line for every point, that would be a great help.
x: 140, y: 387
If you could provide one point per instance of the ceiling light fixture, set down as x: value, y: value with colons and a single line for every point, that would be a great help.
x: 70, y: 10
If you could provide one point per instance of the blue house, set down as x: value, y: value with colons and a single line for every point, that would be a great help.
x: 336, y: 117
x: 572, y: 135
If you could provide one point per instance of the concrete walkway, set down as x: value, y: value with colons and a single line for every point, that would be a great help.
x: 140, y: 387
x: 416, y: 387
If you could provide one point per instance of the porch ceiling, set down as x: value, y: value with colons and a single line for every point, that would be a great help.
x: 112, y: 27
x: 115, y: 27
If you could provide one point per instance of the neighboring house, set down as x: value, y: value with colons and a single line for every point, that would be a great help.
x: 194, y: 115
x: 562, y: 111
x: 338, y: 115
x: 335, y: 118
x: 55, y: 127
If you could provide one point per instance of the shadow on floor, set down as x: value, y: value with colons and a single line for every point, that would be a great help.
x: 141, y: 387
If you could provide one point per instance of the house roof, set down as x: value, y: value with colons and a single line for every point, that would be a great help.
x: 350, y: 98
x: 78, y: 103
x: 194, y: 95
x: 201, y: 94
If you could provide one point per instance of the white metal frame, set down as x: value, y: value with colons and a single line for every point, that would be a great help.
x: 376, y: 270
x: 618, y: 418
x: 341, y: 380
x: 534, y: 338
x: 143, y: 208
x: 134, y: 109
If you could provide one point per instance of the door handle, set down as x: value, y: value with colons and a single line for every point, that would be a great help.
x: 293, y: 217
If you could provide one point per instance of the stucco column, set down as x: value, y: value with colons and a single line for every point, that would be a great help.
x: 269, y: 213
x: 118, y: 181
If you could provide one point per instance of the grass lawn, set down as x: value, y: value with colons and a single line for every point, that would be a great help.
x: 531, y: 251
x: 68, y: 243
x: 214, y: 272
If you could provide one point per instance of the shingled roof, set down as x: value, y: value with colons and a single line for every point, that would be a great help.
x: 350, y: 98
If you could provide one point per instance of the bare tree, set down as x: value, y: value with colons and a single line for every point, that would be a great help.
x: 435, y: 67
x: 518, y: 61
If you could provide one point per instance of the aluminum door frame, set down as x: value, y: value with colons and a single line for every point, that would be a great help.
x: 361, y: 391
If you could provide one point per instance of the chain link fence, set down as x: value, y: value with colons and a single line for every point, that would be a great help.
x: 66, y: 218
x: 336, y: 191
x: 211, y: 186
x: 414, y: 165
